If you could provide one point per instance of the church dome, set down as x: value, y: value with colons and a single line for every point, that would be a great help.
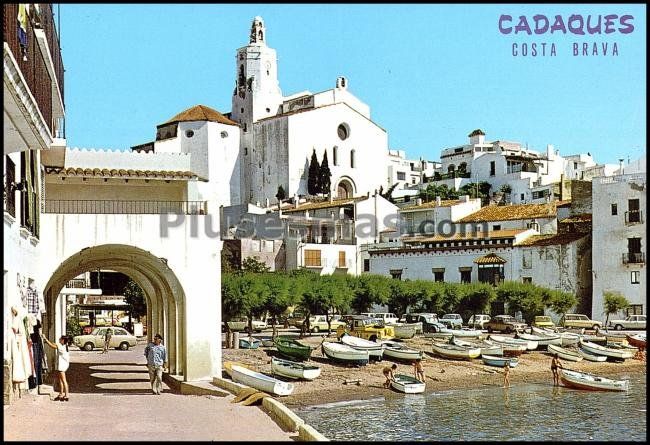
x: 201, y: 113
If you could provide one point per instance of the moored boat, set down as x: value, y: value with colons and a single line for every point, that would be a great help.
x: 257, y: 380
x: 407, y: 384
x: 530, y: 345
x: 447, y: 350
x: 345, y: 354
x: 375, y: 350
x: 638, y: 340
x: 591, y: 357
x: 565, y: 354
x: 291, y: 348
x: 397, y: 351
x: 294, y: 370
x: 568, y: 338
x: 249, y: 343
x: 487, y: 348
x: 406, y: 330
x: 542, y: 340
x: 463, y: 333
x: 615, y: 353
x: 493, y: 360
x: 582, y: 380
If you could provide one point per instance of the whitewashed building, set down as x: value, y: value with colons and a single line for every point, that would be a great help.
x: 407, y: 172
x: 620, y: 240
x: 279, y: 134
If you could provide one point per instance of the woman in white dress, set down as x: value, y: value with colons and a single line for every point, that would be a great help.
x: 62, y: 363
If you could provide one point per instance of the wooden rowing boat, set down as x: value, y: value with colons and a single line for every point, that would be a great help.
x: 616, y: 353
x: 542, y: 340
x: 487, y: 348
x: 375, y: 350
x: 638, y: 340
x: 565, y: 354
x: 249, y: 343
x: 407, y: 384
x: 447, y: 350
x: 500, y: 361
x: 291, y: 348
x: 407, y: 330
x: 530, y: 345
x: 582, y: 380
x: 345, y: 354
x: 398, y: 351
x: 591, y: 357
x: 263, y: 382
x: 294, y: 370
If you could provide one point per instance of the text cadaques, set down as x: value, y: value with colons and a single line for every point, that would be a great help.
x: 575, y: 24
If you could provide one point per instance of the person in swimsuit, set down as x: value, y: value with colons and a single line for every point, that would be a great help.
x: 389, y: 373
x: 555, y: 363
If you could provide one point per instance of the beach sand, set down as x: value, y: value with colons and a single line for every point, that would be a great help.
x: 441, y: 374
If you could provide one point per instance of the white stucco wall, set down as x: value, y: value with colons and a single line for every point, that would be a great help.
x: 610, y: 240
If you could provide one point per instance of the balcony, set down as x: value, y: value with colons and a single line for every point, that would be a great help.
x: 633, y: 217
x: 634, y: 258
x: 126, y: 207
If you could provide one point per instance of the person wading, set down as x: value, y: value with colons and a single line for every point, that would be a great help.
x: 555, y: 363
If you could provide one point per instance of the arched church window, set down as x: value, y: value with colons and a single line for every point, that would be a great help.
x: 335, y: 155
x: 352, y: 158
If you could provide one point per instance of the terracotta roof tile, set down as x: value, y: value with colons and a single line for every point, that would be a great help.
x: 201, y: 113
x: 490, y: 258
x: 551, y: 240
x: 512, y: 212
x: 492, y: 234
x: 432, y: 204
x: 580, y: 218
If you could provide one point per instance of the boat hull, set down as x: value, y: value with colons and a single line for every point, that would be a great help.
x: 375, y: 350
x: 294, y: 370
x: 245, y: 343
x: 499, y: 361
x: 345, y: 354
x: 565, y: 354
x: 407, y: 384
x: 406, y: 330
x: 291, y: 349
x: 579, y: 380
x: 591, y: 357
x: 636, y: 341
x: 260, y: 381
x: 455, y: 352
x: 593, y: 348
x: 399, y: 352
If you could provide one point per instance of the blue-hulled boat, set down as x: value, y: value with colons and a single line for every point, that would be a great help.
x: 249, y: 343
x: 493, y: 360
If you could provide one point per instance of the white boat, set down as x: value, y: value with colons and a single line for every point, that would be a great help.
x: 487, y: 348
x: 406, y: 330
x: 399, y: 351
x: 565, y: 354
x: 345, y: 354
x: 531, y: 345
x: 592, y: 357
x: 615, y: 353
x: 407, y: 384
x: 568, y: 338
x: 582, y: 380
x: 294, y: 370
x: 509, y: 349
x: 447, y: 350
x: 464, y: 333
x: 376, y: 350
x: 542, y: 340
x: 260, y: 381
x: 493, y: 360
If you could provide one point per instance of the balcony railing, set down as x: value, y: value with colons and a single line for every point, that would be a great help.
x: 30, y: 60
x: 634, y: 258
x: 77, y: 284
x: 126, y: 207
x: 633, y: 217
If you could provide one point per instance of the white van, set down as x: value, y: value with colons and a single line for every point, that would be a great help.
x: 385, y: 317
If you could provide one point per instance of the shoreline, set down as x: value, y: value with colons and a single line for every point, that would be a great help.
x: 441, y: 374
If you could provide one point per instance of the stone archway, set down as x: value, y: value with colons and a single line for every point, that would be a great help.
x: 345, y: 188
x: 165, y: 297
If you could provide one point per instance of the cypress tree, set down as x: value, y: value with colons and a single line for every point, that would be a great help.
x: 313, y: 180
x: 325, y: 175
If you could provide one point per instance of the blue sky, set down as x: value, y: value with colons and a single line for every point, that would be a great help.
x: 430, y: 73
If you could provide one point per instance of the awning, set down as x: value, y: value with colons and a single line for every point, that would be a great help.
x: 490, y: 258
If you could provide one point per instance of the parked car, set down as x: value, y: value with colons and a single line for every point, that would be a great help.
x: 296, y: 319
x: 367, y: 328
x: 429, y: 321
x: 478, y: 321
x: 579, y: 321
x: 504, y: 323
x: 121, y: 339
x: 543, y: 321
x: 631, y: 322
x: 453, y: 321
x: 386, y: 317
x: 318, y: 323
x: 241, y: 324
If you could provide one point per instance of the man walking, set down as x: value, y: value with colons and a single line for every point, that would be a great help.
x: 156, y: 362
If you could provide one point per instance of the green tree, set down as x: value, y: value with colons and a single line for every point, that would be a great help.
x: 473, y: 190
x: 506, y: 188
x: 560, y: 302
x: 407, y: 294
x: 452, y: 296
x: 434, y: 298
x: 255, y: 292
x: 328, y: 295
x: 325, y: 175
x: 613, y: 302
x: 432, y: 191
x: 279, y: 296
x: 369, y: 289
x: 313, y: 178
x: 229, y: 260
x: 253, y: 264
x: 134, y: 295
x: 524, y: 297
x: 476, y: 299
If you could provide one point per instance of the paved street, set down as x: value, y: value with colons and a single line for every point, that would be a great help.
x: 111, y: 399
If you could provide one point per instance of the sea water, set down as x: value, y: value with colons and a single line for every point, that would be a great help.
x: 533, y: 412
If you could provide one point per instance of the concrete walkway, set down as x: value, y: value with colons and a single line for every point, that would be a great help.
x: 111, y: 399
